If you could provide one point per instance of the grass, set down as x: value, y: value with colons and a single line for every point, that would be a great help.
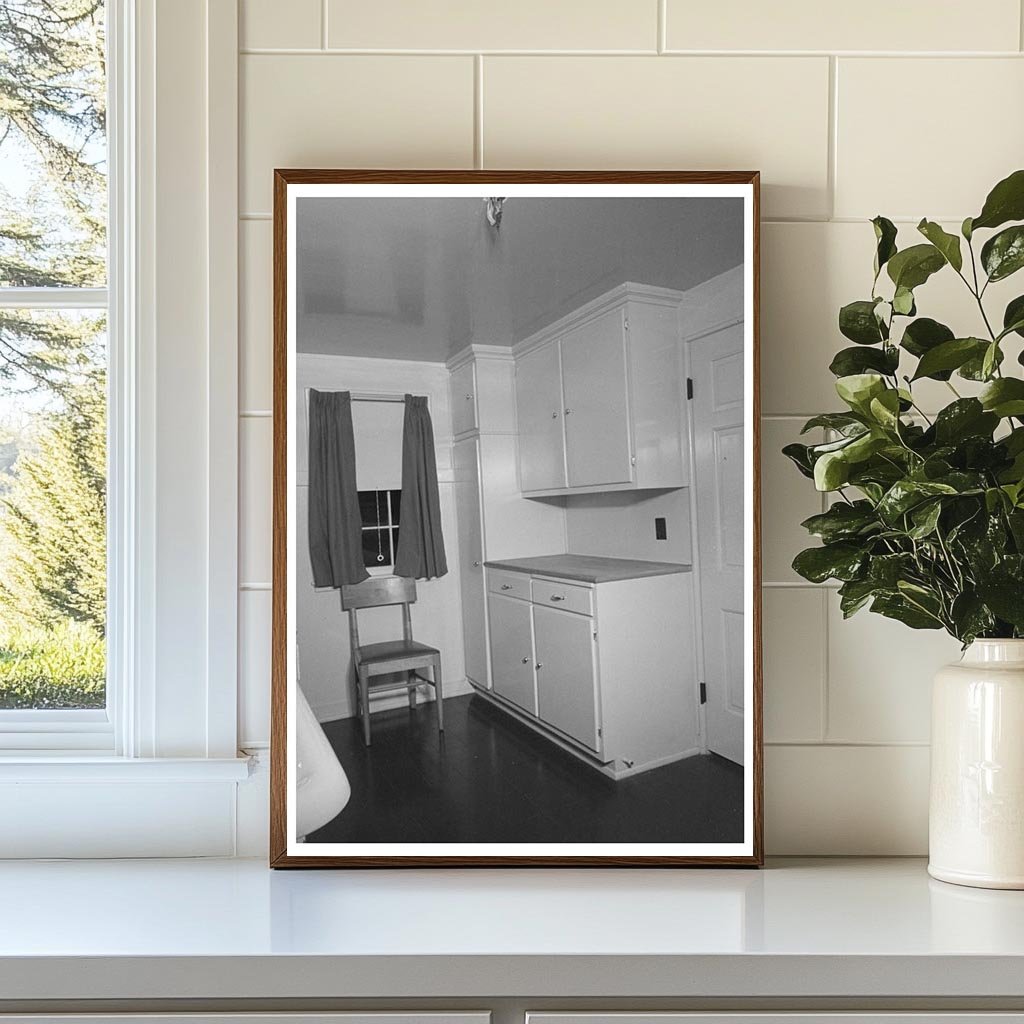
x: 61, y: 667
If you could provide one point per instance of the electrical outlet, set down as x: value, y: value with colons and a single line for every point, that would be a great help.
x: 660, y: 529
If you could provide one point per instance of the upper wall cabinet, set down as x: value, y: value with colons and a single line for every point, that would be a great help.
x: 463, y: 397
x: 600, y: 397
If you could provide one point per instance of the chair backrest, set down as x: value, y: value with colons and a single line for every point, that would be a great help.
x: 378, y: 590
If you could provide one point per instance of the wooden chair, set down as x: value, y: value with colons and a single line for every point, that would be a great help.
x: 391, y: 656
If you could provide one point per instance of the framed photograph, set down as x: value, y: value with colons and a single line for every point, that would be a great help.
x: 516, y: 557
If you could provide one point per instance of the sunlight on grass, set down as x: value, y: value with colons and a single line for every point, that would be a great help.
x: 62, y: 667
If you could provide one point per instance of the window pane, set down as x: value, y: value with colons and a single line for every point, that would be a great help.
x: 396, y: 507
x: 53, y: 149
x: 376, y: 548
x: 52, y: 509
x: 370, y: 508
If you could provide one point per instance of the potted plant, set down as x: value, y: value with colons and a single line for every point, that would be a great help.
x: 926, y: 519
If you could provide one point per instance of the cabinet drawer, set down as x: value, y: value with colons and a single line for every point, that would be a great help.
x: 567, y: 596
x: 509, y: 584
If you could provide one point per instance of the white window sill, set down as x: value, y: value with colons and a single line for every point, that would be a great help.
x: 76, y: 766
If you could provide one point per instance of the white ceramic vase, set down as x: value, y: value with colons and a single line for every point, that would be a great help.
x: 976, y: 816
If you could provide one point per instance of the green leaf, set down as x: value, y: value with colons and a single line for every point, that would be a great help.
x: 971, y: 617
x: 844, y: 422
x: 850, y: 361
x: 857, y: 321
x: 831, y: 471
x: 842, y: 521
x: 965, y: 229
x: 903, y: 302
x: 885, y: 237
x: 912, y: 267
x: 1005, y: 596
x: 950, y: 355
x: 923, y: 335
x: 799, y: 455
x: 1005, y: 202
x: 899, y: 608
x: 1004, y: 397
x: 858, y: 389
x: 990, y: 360
x: 1013, y: 317
x: 906, y: 494
x: 1003, y: 254
x: 925, y: 518
x: 947, y: 244
x: 885, y: 409
x: 966, y: 417
x: 842, y: 561
x: 974, y: 368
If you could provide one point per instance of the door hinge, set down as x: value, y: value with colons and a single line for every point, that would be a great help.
x: 703, y: 693
x: 689, y: 387
x: 599, y: 732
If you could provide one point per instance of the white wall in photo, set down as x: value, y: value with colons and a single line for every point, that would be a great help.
x: 791, y: 91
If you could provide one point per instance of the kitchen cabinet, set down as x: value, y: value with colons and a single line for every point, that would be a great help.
x: 465, y: 462
x: 600, y: 397
x: 601, y: 660
x: 541, y: 416
x: 512, y: 651
x: 567, y: 695
x: 462, y: 389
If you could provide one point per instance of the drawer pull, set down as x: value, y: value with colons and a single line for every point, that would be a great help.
x: 526, y: 661
x: 506, y: 586
x: 557, y: 597
x: 554, y: 415
x: 540, y: 664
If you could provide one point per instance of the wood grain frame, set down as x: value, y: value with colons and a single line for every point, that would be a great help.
x: 279, y: 857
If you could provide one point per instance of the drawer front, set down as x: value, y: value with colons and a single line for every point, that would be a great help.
x: 509, y: 584
x: 568, y: 596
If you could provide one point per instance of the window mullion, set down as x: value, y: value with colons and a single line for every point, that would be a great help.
x: 53, y: 298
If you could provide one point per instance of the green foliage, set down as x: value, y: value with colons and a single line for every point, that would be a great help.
x: 926, y: 524
x: 62, y: 667
x: 53, y: 521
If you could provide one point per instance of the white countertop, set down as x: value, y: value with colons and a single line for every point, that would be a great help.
x: 234, y: 929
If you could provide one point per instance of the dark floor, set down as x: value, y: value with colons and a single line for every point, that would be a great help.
x: 492, y: 779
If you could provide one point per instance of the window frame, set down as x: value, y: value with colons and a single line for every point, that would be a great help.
x: 96, y: 730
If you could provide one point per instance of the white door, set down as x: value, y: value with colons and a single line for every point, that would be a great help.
x: 462, y: 387
x: 471, y: 572
x: 598, y: 449
x: 716, y: 366
x: 539, y: 415
x: 566, y: 673
x: 512, y: 651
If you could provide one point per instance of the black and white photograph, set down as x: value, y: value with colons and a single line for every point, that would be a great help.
x: 516, y: 614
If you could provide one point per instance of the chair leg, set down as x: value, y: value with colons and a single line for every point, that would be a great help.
x: 364, y: 703
x: 410, y: 678
x: 438, y: 694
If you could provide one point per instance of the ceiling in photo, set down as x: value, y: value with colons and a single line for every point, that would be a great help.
x: 421, y: 278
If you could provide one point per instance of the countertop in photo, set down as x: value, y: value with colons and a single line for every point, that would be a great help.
x: 589, y: 568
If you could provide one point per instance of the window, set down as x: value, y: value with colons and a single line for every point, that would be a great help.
x: 380, y: 511
x: 53, y: 361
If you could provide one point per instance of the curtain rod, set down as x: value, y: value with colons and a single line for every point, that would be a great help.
x: 364, y: 397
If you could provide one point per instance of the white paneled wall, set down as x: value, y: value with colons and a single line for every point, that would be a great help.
x: 906, y: 109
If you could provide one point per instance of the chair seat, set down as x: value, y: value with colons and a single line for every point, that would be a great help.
x: 393, y: 650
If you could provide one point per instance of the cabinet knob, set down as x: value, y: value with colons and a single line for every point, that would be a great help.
x: 476, y: 565
x: 568, y: 412
x: 540, y: 664
x: 554, y: 415
x: 557, y: 597
x: 469, y: 398
x: 506, y: 586
x: 526, y: 661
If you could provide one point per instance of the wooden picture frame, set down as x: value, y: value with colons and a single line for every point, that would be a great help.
x: 286, y: 851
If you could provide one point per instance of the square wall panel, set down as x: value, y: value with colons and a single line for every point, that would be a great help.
x: 961, y: 130
x: 332, y: 110
x: 266, y: 24
x: 880, y: 677
x: 684, y: 113
x: 255, y: 316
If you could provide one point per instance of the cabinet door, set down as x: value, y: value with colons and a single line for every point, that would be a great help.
x: 566, y: 673
x: 471, y: 572
x: 539, y: 414
x: 512, y: 670
x: 597, y: 440
x: 462, y: 387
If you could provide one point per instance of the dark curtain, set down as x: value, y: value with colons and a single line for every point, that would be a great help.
x: 335, y: 523
x: 420, y: 542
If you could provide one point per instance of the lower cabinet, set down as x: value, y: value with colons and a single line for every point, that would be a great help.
x: 512, y: 666
x: 567, y: 673
x: 606, y: 670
